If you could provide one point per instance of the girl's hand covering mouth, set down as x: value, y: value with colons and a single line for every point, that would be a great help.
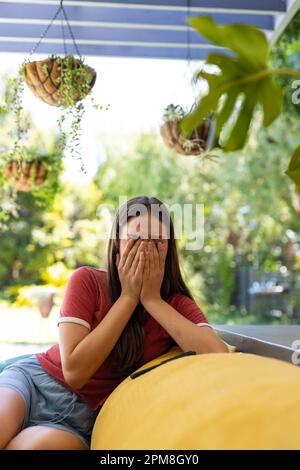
x: 130, y: 267
x: 154, y: 269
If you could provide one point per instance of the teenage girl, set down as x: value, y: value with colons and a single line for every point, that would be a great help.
x: 111, y: 322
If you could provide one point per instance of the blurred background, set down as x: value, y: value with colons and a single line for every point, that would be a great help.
x: 248, y: 271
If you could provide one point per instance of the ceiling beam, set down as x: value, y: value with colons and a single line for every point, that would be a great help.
x: 265, y: 25
x: 105, y: 34
x: 123, y: 15
x: 106, y: 48
x: 258, y: 6
x: 282, y: 21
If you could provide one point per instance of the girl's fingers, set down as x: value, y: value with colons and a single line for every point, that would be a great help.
x: 155, y: 257
x: 151, y: 256
x: 136, y: 259
x: 128, y: 247
x: 141, y: 264
x: 161, y: 253
x: 131, y: 255
x: 147, y: 262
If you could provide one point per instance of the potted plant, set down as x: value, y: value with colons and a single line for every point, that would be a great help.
x: 25, y: 175
x: 198, y: 142
x: 37, y: 171
x: 40, y: 296
x: 61, y: 81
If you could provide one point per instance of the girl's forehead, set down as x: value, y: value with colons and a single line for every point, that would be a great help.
x: 144, y: 227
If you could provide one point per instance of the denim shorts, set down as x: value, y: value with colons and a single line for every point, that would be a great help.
x: 47, y: 402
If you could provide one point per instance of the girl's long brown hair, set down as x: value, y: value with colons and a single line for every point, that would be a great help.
x: 129, y: 349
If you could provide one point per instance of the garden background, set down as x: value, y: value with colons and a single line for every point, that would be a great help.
x: 252, y: 217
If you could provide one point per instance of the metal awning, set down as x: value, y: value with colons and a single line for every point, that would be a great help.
x: 134, y: 28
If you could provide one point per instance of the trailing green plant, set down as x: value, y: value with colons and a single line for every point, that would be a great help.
x: 72, y: 81
x: 14, y: 104
x: 244, y: 81
x: 75, y: 80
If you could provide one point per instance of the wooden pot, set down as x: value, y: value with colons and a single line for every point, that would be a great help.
x: 174, y: 138
x: 45, y: 306
x: 46, y: 86
x: 25, y: 175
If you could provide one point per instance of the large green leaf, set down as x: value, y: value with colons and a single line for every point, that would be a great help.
x: 271, y: 99
x: 238, y: 134
x: 227, y: 108
x: 293, y: 170
x: 249, y: 43
x: 245, y: 74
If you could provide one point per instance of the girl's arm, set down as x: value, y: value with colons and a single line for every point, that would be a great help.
x: 83, y: 352
x: 188, y: 335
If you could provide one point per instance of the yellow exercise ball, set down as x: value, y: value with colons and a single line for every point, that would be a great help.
x: 204, y: 401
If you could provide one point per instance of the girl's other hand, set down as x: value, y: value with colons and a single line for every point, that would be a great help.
x: 130, y: 268
x: 154, y: 271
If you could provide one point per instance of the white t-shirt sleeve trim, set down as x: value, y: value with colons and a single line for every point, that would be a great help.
x: 204, y: 324
x: 79, y: 321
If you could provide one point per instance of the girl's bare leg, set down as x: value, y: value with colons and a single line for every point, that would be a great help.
x: 12, y: 412
x: 45, y: 438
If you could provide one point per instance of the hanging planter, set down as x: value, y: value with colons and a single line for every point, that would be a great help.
x: 199, y: 142
x: 37, y: 172
x: 26, y: 175
x: 60, y: 81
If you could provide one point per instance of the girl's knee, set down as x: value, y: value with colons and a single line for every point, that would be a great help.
x: 12, y: 412
x: 45, y: 438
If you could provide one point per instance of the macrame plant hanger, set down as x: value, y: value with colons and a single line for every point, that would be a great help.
x: 35, y: 85
x: 203, y: 133
x: 64, y: 18
x: 189, y: 55
x: 44, y: 79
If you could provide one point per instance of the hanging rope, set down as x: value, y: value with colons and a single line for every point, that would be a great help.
x: 188, y: 33
x: 64, y: 17
x: 70, y: 29
x: 63, y: 34
x: 189, y: 55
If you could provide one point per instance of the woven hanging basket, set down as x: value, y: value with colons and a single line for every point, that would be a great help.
x: 46, y: 85
x: 197, y: 142
x: 25, y: 176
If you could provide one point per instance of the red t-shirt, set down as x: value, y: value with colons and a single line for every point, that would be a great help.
x: 86, y: 301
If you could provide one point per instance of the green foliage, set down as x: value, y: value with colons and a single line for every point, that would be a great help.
x: 245, y: 199
x: 173, y: 112
x: 75, y: 78
x: 232, y: 316
x: 251, y: 212
x: 246, y: 75
x: 286, y: 55
x: 36, y: 149
x: 57, y: 274
x: 14, y: 105
x: 74, y: 85
x: 293, y: 170
x: 43, y: 195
